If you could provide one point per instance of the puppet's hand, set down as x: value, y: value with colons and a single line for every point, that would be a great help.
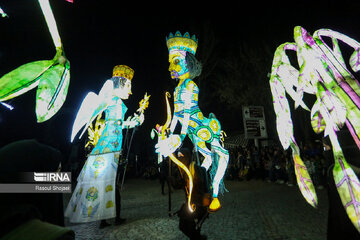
x: 169, y: 145
x: 131, y: 122
x: 140, y: 118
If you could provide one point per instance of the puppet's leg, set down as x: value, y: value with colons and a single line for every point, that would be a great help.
x: 222, y: 165
x: 223, y: 159
x: 199, y: 136
x: 205, y: 152
x: 207, y: 162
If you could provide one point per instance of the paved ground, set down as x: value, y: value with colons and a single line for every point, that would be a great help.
x: 252, y: 210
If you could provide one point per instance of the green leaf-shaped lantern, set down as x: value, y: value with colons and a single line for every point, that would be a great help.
x: 52, y: 77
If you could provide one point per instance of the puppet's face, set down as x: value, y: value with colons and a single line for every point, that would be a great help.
x: 178, y: 67
x: 125, y: 91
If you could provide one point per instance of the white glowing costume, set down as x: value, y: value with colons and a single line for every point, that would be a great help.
x: 94, y: 196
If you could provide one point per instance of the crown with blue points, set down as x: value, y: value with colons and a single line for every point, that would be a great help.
x: 182, y: 42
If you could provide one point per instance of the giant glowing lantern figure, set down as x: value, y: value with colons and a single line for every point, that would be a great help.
x: 201, y: 130
x: 94, y: 196
x: 52, y: 77
x: 323, y: 73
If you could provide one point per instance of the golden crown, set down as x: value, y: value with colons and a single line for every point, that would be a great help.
x: 123, y: 71
x: 182, y: 42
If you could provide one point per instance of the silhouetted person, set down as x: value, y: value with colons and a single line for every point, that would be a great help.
x: 164, y: 175
x: 190, y: 223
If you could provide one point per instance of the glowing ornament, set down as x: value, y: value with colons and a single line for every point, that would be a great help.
x: 144, y: 103
x: 94, y: 133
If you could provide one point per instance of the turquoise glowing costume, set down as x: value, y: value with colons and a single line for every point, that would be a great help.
x: 94, y: 196
x: 111, y: 138
x: 201, y: 130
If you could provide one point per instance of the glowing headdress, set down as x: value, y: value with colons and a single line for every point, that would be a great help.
x: 182, y: 42
x: 123, y: 71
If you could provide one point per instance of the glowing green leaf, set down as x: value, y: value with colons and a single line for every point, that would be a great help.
x: 22, y: 79
x: 52, y: 90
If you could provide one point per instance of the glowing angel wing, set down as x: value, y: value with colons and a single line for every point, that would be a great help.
x: 86, y: 110
x: 91, y: 106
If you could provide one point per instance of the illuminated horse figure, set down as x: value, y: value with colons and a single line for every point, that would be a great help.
x: 324, y: 74
x: 201, y: 130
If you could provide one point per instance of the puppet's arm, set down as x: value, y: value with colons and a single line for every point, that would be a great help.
x: 133, y: 121
x: 187, y: 96
x: 138, y: 117
x: 173, y: 124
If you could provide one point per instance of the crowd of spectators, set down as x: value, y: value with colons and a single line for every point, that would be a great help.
x: 268, y: 163
x: 274, y: 164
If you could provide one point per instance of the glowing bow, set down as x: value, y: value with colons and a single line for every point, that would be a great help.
x: 51, y: 76
x: 161, y: 132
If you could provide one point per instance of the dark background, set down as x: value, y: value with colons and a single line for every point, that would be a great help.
x: 236, y: 46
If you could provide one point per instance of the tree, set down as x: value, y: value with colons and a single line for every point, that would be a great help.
x: 236, y: 75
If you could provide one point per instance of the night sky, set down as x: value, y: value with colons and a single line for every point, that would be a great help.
x: 97, y: 35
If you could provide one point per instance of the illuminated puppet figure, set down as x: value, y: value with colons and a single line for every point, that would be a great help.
x: 201, y: 130
x: 94, y: 196
x: 52, y: 77
x: 323, y: 73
